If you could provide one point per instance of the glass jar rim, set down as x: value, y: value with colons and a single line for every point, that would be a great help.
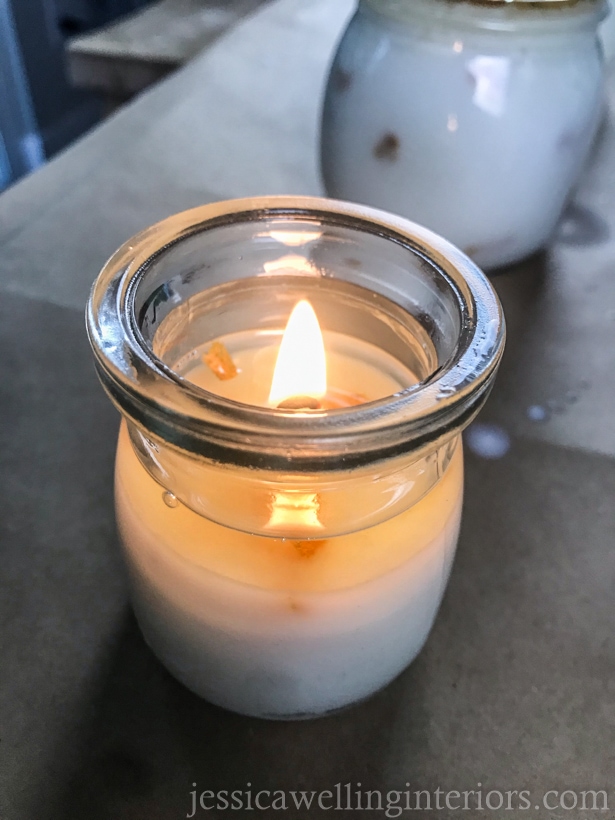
x: 532, y: 3
x: 158, y: 400
x: 543, y: 16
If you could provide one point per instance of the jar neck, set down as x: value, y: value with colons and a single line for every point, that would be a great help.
x: 550, y: 18
x: 290, y: 504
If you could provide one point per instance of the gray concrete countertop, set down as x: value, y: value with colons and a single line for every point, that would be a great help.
x: 516, y: 687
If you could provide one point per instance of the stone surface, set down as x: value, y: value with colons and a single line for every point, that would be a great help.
x: 241, y: 120
x: 516, y: 687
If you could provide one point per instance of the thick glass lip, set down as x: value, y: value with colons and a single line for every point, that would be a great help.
x: 539, y: 16
x: 154, y: 397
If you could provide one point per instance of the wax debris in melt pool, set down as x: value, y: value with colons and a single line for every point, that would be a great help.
x: 307, y: 549
x: 220, y: 362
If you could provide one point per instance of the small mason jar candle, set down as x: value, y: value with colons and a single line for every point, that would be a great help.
x: 293, y: 376
x: 474, y: 118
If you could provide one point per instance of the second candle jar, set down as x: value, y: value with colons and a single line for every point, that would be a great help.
x: 473, y: 118
x: 289, y: 562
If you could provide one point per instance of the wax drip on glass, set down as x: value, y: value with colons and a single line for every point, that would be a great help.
x: 300, y: 376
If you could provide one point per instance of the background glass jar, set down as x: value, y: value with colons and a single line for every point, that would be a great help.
x: 473, y: 118
x: 287, y: 563
x: 607, y: 34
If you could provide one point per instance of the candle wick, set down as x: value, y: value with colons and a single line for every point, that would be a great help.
x: 300, y: 403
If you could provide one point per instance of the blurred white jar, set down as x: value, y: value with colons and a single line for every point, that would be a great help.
x: 607, y: 35
x: 474, y: 118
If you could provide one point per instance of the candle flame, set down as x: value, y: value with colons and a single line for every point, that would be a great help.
x: 301, y: 368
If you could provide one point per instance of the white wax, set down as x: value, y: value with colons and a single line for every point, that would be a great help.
x: 476, y: 135
x: 251, y: 625
x: 257, y: 624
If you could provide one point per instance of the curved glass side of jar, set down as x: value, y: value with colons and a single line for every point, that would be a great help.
x: 295, y: 505
x: 282, y: 564
x: 474, y: 121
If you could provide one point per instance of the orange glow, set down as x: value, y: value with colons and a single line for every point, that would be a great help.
x: 301, y: 368
x: 295, y: 509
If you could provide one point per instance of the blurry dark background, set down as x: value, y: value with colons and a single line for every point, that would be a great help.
x: 66, y: 64
x: 40, y: 112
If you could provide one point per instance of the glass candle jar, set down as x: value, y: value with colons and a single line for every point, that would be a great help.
x: 288, y: 562
x: 474, y: 118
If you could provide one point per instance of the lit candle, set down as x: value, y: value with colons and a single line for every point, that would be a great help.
x: 287, y: 586
x: 276, y: 626
x: 276, y: 373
